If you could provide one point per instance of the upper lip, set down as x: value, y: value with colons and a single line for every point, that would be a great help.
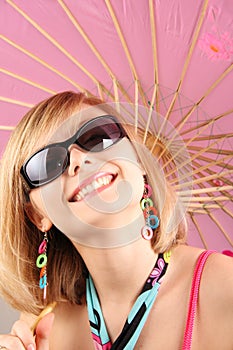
x: 90, y: 180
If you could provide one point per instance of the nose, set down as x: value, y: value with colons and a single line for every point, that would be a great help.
x: 77, y: 158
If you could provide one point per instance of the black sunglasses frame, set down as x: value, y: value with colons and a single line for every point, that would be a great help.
x: 29, y: 185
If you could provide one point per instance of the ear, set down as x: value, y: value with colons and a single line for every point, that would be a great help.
x: 42, y: 222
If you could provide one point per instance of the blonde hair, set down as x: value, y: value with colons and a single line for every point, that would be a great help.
x: 20, y: 238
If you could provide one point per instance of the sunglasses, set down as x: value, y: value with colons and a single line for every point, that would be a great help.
x: 51, y: 161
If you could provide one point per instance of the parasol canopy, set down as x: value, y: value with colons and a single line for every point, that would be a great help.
x: 174, y: 58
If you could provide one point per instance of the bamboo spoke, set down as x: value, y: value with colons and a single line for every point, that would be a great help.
x: 199, y: 230
x: 27, y: 81
x: 211, y: 137
x: 230, y: 241
x: 211, y: 150
x: 204, y: 205
x: 204, y: 190
x: 206, y: 123
x: 155, y: 53
x: 195, y: 211
x: 13, y: 101
x: 196, y: 155
x: 86, y: 38
x: 206, y: 199
x: 6, y: 128
x: 149, y: 119
x: 45, y: 64
x: 202, y: 179
x: 181, y: 123
x: 204, y: 167
x: 126, y: 50
x: 222, y: 190
x: 117, y: 84
x: 136, y: 106
x: 188, y: 58
x: 218, y: 176
x: 227, y: 211
x: 54, y: 42
x: 219, y: 162
x: 190, y: 140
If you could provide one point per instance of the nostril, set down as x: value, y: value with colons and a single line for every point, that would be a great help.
x: 76, y: 169
x: 86, y: 161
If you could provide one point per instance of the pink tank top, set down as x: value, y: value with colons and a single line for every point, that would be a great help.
x: 194, y: 298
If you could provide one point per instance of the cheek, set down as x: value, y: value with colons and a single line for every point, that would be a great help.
x: 133, y: 175
x: 38, y: 203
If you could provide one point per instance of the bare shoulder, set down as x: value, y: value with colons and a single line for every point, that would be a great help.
x: 218, y: 279
x: 217, y: 275
x: 215, y: 299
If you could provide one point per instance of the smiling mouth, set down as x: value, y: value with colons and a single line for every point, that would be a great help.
x: 98, y: 184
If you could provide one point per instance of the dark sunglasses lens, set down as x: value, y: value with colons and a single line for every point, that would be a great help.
x: 100, y: 134
x: 46, y: 165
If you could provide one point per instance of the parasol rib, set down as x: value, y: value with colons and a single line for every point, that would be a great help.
x: 155, y: 54
x: 189, y: 55
x: 179, y: 125
x: 221, y: 228
x: 149, y: 114
x: 211, y: 150
x: 219, y: 176
x: 136, y: 106
x: 95, y: 51
x: 54, y: 42
x: 6, y: 128
x: 204, y: 190
x: 192, y: 46
x: 199, y: 230
x: 208, y: 122
x: 213, y: 176
x: 204, y: 167
x: 218, y: 162
x: 211, y: 137
x: 20, y: 103
x: 227, y: 211
x: 27, y: 81
x: 43, y: 63
x: 221, y: 189
x: 205, y: 206
x: 206, y: 199
x: 86, y: 38
x: 190, y: 140
x: 196, y: 155
x: 126, y: 50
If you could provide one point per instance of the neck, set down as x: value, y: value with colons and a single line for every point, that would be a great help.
x: 119, y: 271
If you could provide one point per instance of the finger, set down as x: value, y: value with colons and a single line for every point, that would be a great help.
x: 43, y: 331
x: 21, y: 330
x: 8, y: 341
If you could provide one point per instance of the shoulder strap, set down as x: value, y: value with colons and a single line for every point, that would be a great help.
x: 194, y: 298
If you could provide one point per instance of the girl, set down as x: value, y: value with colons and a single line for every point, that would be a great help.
x: 87, y: 213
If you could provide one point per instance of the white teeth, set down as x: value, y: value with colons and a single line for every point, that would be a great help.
x: 84, y: 190
x: 89, y: 188
x: 96, y: 184
x: 101, y: 181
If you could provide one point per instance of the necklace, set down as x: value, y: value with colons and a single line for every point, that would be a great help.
x: 137, y: 316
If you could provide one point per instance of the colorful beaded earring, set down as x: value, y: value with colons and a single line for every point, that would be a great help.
x: 150, y: 213
x: 41, y: 263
